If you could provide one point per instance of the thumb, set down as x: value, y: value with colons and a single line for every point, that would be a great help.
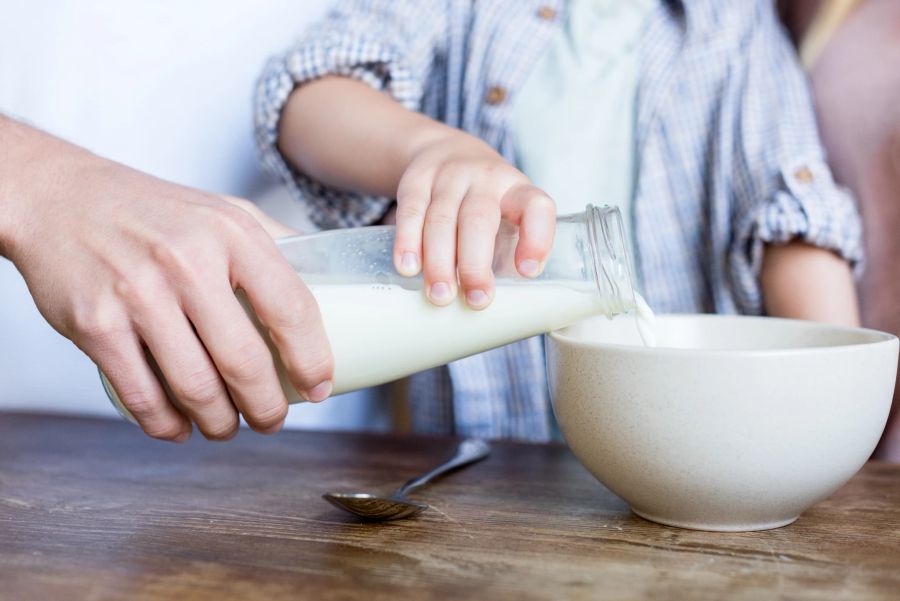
x: 534, y: 212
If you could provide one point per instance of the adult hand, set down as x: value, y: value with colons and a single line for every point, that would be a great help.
x: 119, y: 262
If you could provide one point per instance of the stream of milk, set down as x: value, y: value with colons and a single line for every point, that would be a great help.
x: 645, y: 320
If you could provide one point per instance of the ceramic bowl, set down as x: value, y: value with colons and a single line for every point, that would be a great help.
x: 730, y: 423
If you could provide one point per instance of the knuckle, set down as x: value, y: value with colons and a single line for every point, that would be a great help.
x: 440, y: 219
x: 540, y: 200
x: 482, y: 216
x: 168, y: 429
x: 311, y: 369
x: 221, y: 429
x: 453, y: 171
x: 236, y: 220
x: 97, y: 322
x: 448, y: 276
x: 438, y: 266
x: 224, y: 221
x: 241, y: 203
x: 498, y: 174
x: 493, y: 169
x: 168, y: 255
x: 202, y: 389
x: 471, y: 273
x: 321, y: 365
x: 248, y: 363
x: 267, y: 417
x: 128, y: 291
x: 140, y: 403
x: 295, y: 314
x: 413, y: 184
x: 146, y: 409
x: 410, y: 211
x: 174, y: 261
x: 136, y: 291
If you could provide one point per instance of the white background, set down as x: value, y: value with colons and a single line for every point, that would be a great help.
x: 162, y: 86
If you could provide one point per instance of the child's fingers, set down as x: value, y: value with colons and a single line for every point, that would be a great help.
x: 535, y: 213
x: 439, y: 238
x: 479, y: 220
x: 413, y: 197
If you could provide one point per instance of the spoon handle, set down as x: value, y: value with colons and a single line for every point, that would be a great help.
x: 468, y: 451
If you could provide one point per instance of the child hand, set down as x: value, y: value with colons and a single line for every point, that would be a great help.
x: 450, y: 201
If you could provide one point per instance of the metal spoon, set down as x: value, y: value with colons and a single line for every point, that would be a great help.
x: 397, y: 506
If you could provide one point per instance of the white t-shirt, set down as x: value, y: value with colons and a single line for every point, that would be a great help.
x: 165, y: 87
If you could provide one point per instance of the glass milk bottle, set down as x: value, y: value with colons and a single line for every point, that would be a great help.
x: 381, y: 326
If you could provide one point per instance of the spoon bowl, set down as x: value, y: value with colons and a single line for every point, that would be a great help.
x: 397, y: 506
x: 374, y: 507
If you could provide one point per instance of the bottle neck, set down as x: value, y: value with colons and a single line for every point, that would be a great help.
x: 609, y: 255
x: 589, y: 254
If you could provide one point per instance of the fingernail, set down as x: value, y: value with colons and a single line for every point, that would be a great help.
x: 529, y: 268
x: 409, y: 263
x: 183, y: 437
x: 320, y: 391
x: 476, y: 298
x: 440, y: 292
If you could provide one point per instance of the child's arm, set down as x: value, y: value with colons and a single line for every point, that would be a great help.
x: 807, y: 282
x: 452, y: 189
x: 796, y: 233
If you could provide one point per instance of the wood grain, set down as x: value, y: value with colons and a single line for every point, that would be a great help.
x: 90, y: 509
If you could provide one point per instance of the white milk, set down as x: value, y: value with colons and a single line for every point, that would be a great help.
x: 645, y: 320
x: 380, y: 333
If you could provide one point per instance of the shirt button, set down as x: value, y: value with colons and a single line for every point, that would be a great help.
x: 547, y: 13
x: 803, y: 175
x: 495, y: 95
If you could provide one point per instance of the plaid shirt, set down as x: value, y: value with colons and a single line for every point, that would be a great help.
x: 728, y: 154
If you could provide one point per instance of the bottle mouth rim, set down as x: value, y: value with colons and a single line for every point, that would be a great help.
x: 609, y: 253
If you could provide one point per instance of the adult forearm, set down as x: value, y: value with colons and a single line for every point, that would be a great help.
x: 30, y: 162
x: 805, y: 282
x: 345, y: 134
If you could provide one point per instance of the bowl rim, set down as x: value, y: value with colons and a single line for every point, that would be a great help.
x: 877, y: 337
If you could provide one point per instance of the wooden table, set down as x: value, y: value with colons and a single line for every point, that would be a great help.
x: 91, y: 509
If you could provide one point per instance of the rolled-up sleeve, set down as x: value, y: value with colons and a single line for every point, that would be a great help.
x: 391, y: 45
x: 784, y: 189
